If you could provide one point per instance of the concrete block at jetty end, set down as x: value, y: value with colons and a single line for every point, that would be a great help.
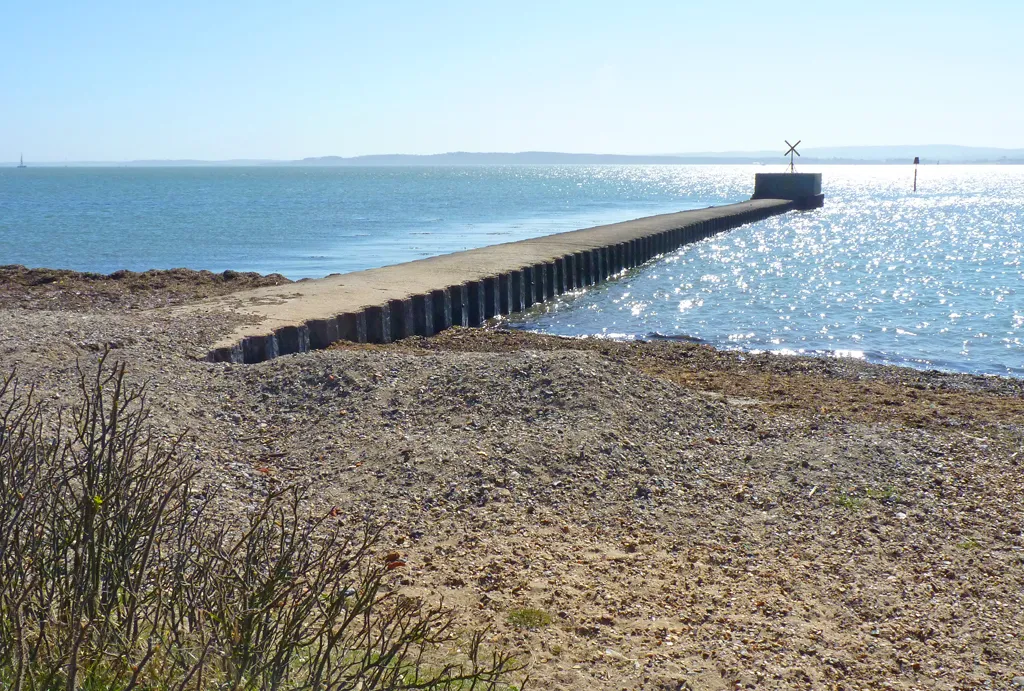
x: 804, y: 189
x: 352, y: 327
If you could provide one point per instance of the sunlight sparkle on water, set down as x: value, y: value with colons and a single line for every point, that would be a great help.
x: 932, y: 280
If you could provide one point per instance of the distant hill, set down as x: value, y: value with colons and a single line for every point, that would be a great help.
x: 186, y: 162
x: 878, y: 154
x: 155, y: 163
x: 902, y: 154
x: 848, y: 154
x: 930, y: 153
x: 497, y: 158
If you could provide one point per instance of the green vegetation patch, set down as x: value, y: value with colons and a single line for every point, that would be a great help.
x: 528, y: 618
x: 847, y: 502
x: 886, y: 495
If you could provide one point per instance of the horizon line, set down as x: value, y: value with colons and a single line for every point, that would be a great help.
x: 742, y: 154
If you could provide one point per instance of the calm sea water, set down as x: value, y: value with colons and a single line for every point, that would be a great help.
x: 932, y: 279
x: 310, y: 222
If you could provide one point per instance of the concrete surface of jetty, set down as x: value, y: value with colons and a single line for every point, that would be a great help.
x: 461, y: 289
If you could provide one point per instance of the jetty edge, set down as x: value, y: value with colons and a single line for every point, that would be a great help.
x: 426, y: 296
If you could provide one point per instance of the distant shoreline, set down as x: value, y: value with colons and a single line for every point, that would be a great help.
x: 424, y: 164
x: 867, y: 155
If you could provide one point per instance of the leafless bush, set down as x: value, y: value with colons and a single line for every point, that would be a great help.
x: 115, y: 573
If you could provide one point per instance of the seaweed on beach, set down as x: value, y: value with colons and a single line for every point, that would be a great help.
x: 61, y: 289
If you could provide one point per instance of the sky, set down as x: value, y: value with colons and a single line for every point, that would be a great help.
x: 101, y: 81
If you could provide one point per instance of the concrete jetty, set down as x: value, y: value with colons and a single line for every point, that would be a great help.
x: 467, y: 288
x: 804, y: 189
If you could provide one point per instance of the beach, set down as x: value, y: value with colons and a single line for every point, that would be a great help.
x: 685, y: 518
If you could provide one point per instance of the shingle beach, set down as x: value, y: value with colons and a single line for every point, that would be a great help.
x: 688, y: 518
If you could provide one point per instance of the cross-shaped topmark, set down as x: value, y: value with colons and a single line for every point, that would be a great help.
x: 792, y: 150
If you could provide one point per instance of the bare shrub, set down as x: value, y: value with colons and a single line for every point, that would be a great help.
x: 115, y: 573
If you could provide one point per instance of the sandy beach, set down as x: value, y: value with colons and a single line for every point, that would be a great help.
x: 685, y: 518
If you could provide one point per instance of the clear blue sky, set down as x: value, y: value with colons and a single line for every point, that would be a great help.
x: 259, y: 79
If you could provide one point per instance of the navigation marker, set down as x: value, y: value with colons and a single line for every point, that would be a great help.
x: 792, y: 150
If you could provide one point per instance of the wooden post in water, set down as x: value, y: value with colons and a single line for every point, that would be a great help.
x: 917, y: 159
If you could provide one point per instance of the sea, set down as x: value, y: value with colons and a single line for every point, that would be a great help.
x: 932, y: 279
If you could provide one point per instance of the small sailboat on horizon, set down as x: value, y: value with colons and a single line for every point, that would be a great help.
x: 21, y: 162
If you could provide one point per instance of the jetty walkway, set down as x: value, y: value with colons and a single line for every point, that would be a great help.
x: 467, y: 288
